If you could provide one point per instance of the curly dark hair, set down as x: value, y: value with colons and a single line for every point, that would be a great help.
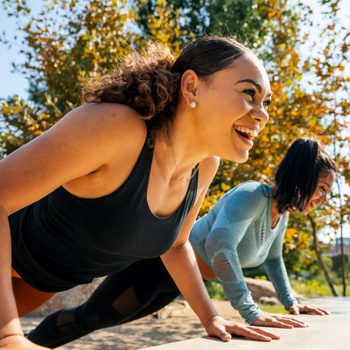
x: 149, y: 81
x: 299, y: 172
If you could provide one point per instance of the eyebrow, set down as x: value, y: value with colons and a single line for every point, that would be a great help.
x: 325, y: 183
x: 255, y: 83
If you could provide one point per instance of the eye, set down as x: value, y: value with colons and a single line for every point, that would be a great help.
x: 267, y: 103
x: 250, y: 92
x: 323, y: 191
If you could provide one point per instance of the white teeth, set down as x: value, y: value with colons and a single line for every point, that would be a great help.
x: 248, y: 131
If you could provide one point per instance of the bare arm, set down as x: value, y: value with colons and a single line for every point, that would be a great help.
x: 181, y: 256
x: 84, y: 141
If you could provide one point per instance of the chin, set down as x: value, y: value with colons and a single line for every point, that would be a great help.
x: 240, y: 157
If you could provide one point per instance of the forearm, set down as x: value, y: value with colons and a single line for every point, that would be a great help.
x: 277, y: 273
x: 182, y: 266
x: 241, y: 300
x: 223, y: 256
x: 9, y: 322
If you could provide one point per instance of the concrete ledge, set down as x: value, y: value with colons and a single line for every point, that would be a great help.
x: 325, y: 332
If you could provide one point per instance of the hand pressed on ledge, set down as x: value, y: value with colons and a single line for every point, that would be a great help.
x: 223, y: 329
x: 278, y: 321
x: 297, y: 309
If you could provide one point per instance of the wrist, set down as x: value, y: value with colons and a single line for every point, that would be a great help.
x: 12, y: 328
x: 210, y: 319
x: 5, y: 336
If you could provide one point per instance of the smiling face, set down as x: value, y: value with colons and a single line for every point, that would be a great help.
x: 323, y: 188
x: 232, y: 108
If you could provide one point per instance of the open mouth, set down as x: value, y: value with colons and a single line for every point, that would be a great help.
x: 246, y: 133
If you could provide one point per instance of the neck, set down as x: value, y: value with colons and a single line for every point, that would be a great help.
x: 275, y: 215
x: 178, y: 146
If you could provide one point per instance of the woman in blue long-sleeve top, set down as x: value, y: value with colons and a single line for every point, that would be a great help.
x: 244, y: 229
x: 247, y: 226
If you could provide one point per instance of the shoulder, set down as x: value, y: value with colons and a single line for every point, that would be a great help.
x: 248, y: 197
x: 108, y: 127
x: 251, y: 190
x: 107, y: 118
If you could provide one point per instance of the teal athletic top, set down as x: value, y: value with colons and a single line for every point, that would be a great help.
x: 237, y: 234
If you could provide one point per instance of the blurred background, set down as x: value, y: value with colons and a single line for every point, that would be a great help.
x: 48, y: 50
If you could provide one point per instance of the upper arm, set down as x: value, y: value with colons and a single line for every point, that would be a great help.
x: 80, y: 143
x: 207, y: 170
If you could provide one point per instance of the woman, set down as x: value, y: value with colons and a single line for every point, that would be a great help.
x: 244, y: 229
x: 247, y: 226
x: 122, y: 177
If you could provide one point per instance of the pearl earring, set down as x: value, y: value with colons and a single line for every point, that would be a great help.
x: 193, y: 104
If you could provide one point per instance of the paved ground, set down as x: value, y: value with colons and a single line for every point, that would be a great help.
x: 329, y: 332
x: 324, y: 332
x: 180, y: 323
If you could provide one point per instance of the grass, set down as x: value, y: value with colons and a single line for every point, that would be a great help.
x: 315, y: 288
x: 273, y: 309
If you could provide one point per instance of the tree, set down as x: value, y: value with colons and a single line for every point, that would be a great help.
x: 64, y: 45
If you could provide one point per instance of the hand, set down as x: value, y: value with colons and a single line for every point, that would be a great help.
x: 297, y: 309
x: 278, y: 321
x: 221, y: 328
x: 18, y: 342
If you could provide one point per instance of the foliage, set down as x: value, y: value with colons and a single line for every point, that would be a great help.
x: 215, y: 290
x: 64, y: 45
x: 309, y: 99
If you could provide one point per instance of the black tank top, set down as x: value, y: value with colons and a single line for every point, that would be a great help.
x: 62, y: 240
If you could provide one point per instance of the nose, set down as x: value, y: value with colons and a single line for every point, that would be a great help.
x: 260, y: 114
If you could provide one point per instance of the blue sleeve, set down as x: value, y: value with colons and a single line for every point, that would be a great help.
x: 277, y: 273
x: 235, y: 216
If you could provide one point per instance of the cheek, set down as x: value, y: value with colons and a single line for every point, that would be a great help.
x: 317, y: 195
x: 227, y: 107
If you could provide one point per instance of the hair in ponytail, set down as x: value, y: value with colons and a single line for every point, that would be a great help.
x: 298, y: 174
x: 149, y: 81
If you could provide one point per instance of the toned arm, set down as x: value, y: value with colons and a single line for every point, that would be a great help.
x: 88, y: 139
x: 180, y: 260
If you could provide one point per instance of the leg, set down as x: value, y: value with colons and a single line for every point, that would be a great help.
x: 28, y: 298
x: 139, y: 290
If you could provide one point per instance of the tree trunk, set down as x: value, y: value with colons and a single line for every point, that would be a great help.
x: 319, y: 257
x: 342, y: 256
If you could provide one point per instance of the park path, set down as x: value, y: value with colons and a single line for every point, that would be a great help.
x: 183, y: 331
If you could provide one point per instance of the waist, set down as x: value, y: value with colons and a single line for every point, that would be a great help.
x: 206, y: 272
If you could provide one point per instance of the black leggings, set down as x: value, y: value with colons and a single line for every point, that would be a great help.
x: 141, y: 289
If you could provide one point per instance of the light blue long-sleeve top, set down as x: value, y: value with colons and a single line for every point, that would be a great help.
x: 236, y: 234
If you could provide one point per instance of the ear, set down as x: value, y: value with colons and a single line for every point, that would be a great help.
x: 189, y: 86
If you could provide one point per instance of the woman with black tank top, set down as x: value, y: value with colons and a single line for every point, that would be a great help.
x: 122, y: 177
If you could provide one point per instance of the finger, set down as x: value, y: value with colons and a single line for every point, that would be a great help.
x: 279, y: 324
x: 223, y: 335
x: 310, y: 310
x: 294, y: 323
x: 271, y: 323
x: 294, y: 310
x: 266, y: 333
x: 319, y: 312
x: 324, y: 311
x: 250, y: 333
